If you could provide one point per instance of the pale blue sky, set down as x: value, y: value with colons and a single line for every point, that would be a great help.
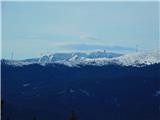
x: 32, y: 28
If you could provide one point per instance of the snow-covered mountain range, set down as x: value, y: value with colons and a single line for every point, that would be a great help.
x: 98, y: 58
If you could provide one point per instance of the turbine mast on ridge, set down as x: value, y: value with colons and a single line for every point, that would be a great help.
x: 136, y: 48
x: 12, y: 54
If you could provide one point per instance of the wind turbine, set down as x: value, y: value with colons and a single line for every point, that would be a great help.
x: 12, y: 54
x: 136, y: 48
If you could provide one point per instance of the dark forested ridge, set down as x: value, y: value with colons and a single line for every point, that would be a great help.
x: 109, y: 92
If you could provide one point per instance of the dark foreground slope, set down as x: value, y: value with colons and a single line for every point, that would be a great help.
x: 94, y: 93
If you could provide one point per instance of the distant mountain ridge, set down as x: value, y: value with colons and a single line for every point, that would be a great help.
x: 98, y: 58
x: 77, y: 55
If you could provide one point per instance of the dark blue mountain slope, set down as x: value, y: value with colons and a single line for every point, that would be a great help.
x: 109, y: 92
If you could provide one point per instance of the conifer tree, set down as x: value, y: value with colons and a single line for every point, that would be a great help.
x: 34, y: 118
x: 2, y: 107
x: 73, y: 116
x: 7, y: 119
x: 2, y: 104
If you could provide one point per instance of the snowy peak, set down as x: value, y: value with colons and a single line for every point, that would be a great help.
x: 94, y: 58
x: 134, y: 59
x: 60, y: 57
x: 140, y: 58
x: 75, y: 56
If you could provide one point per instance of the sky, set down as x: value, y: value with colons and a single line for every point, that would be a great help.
x: 31, y: 29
